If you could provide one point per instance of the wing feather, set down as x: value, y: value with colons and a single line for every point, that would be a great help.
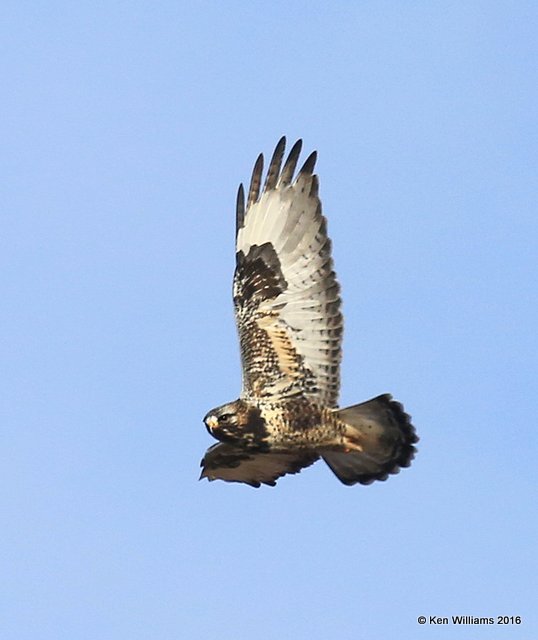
x: 240, y: 209
x: 274, y: 165
x: 310, y: 163
x: 287, y: 299
x: 255, y: 181
x: 290, y: 164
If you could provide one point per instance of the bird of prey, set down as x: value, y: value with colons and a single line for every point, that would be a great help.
x: 287, y: 309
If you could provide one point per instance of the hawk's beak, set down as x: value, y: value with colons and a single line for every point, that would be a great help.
x: 211, y: 422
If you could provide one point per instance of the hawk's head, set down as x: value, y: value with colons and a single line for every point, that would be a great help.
x: 236, y: 422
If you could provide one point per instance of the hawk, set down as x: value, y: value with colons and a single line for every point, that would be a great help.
x: 289, y: 320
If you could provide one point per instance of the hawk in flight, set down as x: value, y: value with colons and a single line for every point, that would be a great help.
x: 287, y: 309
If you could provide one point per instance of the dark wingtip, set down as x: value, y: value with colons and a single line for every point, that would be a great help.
x: 274, y: 165
x: 291, y: 163
x: 240, y: 209
x: 255, y: 182
x: 310, y: 163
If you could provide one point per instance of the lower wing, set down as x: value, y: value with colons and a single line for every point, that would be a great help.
x: 233, y: 464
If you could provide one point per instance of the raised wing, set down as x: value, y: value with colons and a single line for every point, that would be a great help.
x: 287, y: 301
x: 225, y: 462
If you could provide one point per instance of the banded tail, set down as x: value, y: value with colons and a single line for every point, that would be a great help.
x: 385, y: 436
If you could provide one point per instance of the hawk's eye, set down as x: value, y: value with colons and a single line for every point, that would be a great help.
x: 224, y: 417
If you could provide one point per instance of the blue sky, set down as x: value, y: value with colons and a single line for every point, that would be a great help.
x: 126, y: 128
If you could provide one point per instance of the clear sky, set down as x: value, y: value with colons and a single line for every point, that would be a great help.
x: 126, y: 128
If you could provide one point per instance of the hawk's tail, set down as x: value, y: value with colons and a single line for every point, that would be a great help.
x: 381, y: 438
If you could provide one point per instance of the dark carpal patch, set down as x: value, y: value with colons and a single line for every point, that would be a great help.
x: 256, y: 428
x: 258, y: 275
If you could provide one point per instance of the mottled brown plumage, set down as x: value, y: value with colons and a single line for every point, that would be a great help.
x: 287, y: 308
